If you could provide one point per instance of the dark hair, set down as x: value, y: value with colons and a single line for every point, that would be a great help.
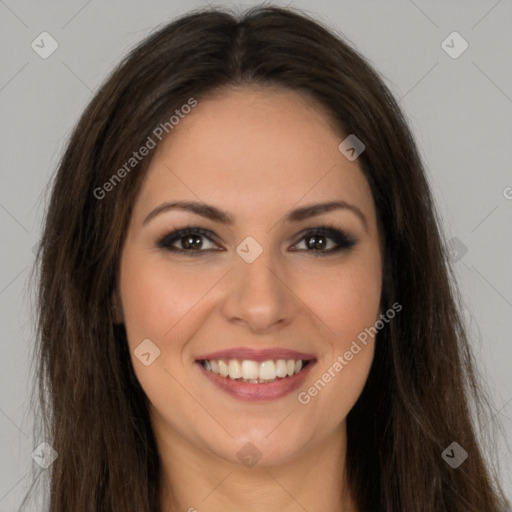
x: 422, y: 383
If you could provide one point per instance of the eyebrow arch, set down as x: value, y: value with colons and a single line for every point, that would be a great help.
x: 215, y: 214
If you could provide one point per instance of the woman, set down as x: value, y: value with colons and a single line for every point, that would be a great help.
x: 244, y: 295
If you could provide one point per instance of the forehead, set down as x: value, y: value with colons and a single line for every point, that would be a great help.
x: 255, y: 149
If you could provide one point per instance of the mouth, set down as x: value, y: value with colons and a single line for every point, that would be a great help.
x: 254, y: 372
x: 253, y: 375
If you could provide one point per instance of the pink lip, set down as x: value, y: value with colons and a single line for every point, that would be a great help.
x: 258, y: 391
x: 258, y: 355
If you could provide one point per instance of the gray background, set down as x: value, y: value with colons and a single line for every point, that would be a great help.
x: 460, y: 111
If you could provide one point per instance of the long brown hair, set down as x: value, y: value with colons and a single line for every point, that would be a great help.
x: 423, y: 383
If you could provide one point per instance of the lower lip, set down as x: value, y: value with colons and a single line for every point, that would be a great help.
x: 253, y: 392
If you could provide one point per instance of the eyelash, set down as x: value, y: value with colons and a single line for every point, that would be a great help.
x: 342, y: 239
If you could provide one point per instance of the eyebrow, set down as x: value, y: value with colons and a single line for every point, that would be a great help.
x: 217, y: 215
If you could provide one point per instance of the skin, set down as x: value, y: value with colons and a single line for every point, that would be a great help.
x: 256, y: 153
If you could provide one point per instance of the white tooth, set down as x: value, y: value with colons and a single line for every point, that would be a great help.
x: 215, y: 366
x: 235, y: 370
x: 250, y: 369
x: 223, y: 368
x: 281, y: 370
x: 267, y: 370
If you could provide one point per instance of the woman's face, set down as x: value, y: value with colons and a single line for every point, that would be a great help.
x: 245, y: 285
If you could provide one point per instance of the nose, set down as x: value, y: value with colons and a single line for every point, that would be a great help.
x: 260, y: 295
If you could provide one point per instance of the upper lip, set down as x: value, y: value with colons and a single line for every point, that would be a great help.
x: 253, y: 354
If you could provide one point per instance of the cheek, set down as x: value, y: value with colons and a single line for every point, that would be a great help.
x: 346, y: 299
x: 158, y: 304
x: 155, y: 300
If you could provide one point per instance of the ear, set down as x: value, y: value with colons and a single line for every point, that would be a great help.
x: 117, y: 308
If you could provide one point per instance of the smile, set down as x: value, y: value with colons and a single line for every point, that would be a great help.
x: 255, y: 372
x: 241, y: 378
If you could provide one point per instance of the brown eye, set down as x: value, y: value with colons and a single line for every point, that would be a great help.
x: 189, y: 240
x: 325, y: 241
x: 320, y: 241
